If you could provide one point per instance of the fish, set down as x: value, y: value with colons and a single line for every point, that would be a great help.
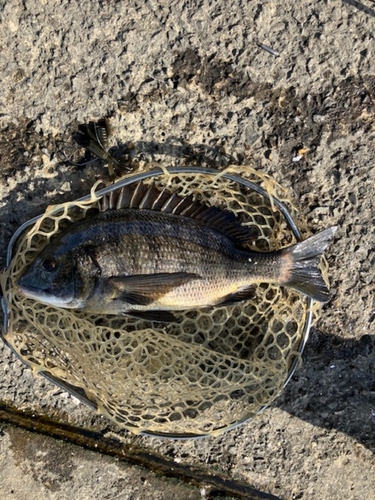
x: 148, y: 252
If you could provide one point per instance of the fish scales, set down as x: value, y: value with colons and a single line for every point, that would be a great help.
x: 162, y: 239
x: 165, y: 245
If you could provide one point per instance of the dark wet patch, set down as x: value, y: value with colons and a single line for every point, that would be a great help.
x: 17, y: 144
x: 217, y: 78
x: 295, y: 118
x: 338, y: 111
x: 21, y: 146
x: 186, y: 66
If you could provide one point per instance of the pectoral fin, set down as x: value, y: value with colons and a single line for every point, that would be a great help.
x: 144, y: 289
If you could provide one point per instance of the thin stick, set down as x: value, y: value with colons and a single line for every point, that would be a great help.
x: 268, y: 49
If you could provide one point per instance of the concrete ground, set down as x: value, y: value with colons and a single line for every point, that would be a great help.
x: 191, y: 73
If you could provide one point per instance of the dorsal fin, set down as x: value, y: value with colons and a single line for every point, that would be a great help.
x: 150, y: 197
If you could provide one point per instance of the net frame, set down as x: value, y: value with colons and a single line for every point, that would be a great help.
x: 262, y: 185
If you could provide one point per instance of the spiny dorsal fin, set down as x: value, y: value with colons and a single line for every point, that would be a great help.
x: 150, y: 197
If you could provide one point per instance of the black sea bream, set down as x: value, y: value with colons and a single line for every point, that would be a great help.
x: 147, y: 252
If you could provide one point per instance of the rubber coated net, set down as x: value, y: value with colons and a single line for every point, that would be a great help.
x: 213, y: 369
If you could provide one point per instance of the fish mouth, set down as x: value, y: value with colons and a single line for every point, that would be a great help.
x: 30, y: 291
x: 35, y: 293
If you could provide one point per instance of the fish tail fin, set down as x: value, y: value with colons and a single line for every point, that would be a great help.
x: 304, y: 274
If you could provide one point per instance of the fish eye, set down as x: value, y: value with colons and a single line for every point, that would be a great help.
x: 48, y: 264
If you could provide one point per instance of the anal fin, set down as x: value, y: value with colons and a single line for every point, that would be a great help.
x: 157, y: 316
x: 240, y: 296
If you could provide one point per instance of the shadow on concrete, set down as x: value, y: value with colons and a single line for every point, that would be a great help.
x: 360, y: 6
x: 335, y: 387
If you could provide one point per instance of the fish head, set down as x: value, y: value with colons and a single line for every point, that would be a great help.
x: 50, y: 279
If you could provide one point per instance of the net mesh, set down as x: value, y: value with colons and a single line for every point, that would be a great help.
x: 212, y: 370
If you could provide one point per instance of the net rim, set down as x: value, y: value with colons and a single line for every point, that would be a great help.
x: 155, y: 172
